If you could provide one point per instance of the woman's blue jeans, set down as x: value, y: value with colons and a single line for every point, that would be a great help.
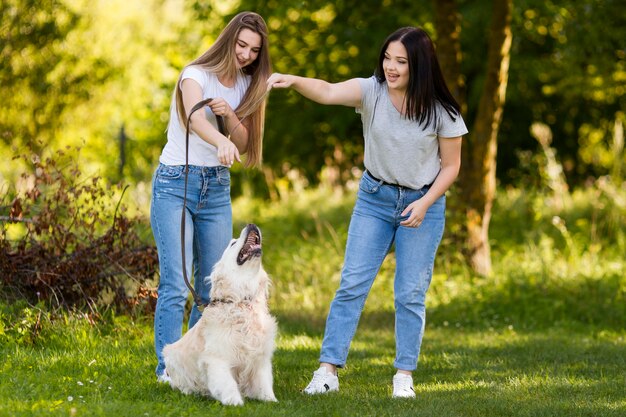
x: 208, y: 230
x: 374, y: 227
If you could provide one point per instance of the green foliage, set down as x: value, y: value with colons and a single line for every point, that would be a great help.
x: 568, y: 71
x: 550, y: 264
x: 77, y: 72
x: 99, y: 74
x: 21, y: 324
x: 32, y: 33
x: 130, y: 55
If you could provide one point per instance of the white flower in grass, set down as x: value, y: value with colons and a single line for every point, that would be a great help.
x: 70, y: 398
x: 80, y: 383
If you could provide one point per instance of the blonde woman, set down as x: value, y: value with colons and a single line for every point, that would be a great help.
x: 233, y: 72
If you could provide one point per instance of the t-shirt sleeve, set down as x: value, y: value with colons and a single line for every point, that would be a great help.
x: 449, y: 127
x: 367, y: 92
x: 195, y: 74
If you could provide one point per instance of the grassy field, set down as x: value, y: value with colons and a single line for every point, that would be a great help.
x: 544, y: 336
x: 107, y: 370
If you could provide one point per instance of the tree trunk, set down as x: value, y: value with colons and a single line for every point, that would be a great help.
x: 448, y: 24
x: 478, y: 171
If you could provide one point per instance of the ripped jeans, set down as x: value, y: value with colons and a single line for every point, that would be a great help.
x: 208, y: 230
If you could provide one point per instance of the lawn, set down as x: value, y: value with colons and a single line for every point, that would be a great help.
x: 107, y: 370
x: 545, y: 335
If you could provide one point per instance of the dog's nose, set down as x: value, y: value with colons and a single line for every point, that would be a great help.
x: 251, y: 227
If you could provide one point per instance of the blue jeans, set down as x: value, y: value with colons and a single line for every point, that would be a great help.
x: 208, y: 230
x: 374, y: 227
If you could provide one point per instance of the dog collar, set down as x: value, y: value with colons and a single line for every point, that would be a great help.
x: 227, y: 301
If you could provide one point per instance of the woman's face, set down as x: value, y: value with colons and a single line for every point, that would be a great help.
x: 247, y: 47
x: 396, y: 66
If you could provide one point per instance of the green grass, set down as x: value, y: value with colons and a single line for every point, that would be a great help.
x: 544, y: 336
x: 78, y: 369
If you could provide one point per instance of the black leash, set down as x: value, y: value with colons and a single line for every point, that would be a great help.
x: 220, y: 125
x: 222, y: 128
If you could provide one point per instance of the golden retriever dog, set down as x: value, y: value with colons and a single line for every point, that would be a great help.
x: 227, y: 355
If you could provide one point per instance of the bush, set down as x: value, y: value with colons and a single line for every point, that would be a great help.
x: 66, y: 242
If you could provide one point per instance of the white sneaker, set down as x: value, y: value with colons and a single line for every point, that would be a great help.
x: 164, y: 378
x: 323, y: 381
x: 403, y: 386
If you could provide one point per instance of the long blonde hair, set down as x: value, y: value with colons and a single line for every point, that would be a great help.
x: 220, y: 59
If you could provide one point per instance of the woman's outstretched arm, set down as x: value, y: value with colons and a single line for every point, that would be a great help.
x: 345, y: 93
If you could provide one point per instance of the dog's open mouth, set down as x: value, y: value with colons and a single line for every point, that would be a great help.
x: 252, y: 246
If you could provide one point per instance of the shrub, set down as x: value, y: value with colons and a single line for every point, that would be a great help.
x: 64, y: 240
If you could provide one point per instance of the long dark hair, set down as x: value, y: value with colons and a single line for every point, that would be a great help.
x: 220, y: 59
x: 426, y: 83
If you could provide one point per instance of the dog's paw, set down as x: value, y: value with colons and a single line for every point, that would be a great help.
x: 269, y: 397
x: 272, y: 399
x: 234, y: 402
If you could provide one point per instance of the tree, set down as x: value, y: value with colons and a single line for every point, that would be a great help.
x: 31, y: 32
x: 448, y: 24
x: 478, y: 170
x: 478, y: 175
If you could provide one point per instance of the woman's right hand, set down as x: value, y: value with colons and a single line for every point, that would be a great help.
x: 277, y: 80
x: 227, y: 152
x: 346, y: 93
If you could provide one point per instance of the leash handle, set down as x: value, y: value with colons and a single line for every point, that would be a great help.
x: 220, y: 125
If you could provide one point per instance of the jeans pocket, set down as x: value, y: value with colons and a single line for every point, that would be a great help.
x: 368, y: 185
x: 223, y: 176
x: 169, y: 172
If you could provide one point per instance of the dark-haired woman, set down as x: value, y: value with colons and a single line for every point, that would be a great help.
x: 233, y: 72
x: 412, y: 127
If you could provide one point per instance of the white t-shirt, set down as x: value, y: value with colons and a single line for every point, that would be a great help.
x: 398, y: 150
x: 201, y: 153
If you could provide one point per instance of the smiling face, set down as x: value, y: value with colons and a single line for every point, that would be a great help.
x: 396, y: 66
x: 247, y: 47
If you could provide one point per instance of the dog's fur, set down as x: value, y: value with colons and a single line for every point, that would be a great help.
x: 227, y: 355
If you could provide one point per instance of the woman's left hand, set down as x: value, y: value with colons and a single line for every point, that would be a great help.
x: 220, y: 107
x: 416, y: 211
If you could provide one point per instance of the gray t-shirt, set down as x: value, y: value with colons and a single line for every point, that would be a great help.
x: 398, y: 150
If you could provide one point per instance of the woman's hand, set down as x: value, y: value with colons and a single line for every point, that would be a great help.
x: 220, y: 107
x: 277, y: 80
x: 227, y: 152
x: 417, y: 210
x: 450, y: 151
